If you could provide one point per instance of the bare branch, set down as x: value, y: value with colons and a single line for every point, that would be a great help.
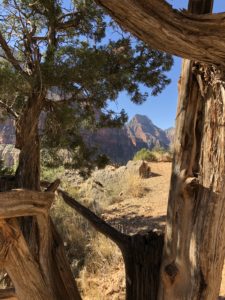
x: 99, y: 224
x: 196, y: 37
x: 9, y: 109
x: 10, y: 57
x: 53, y: 186
x: 70, y: 14
x: 72, y: 22
x: 18, y: 203
x: 39, y: 38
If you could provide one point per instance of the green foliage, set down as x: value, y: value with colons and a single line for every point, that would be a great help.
x: 159, y: 150
x: 50, y: 174
x: 78, y: 60
x: 145, y: 154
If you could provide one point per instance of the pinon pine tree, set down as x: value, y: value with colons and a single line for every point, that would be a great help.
x: 55, y: 60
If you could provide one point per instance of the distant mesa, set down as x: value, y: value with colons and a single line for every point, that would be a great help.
x: 119, y: 144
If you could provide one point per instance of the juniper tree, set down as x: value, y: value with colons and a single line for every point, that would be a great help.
x: 79, y: 60
x: 58, y: 61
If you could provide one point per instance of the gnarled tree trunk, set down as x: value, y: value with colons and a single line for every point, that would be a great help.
x: 37, y: 265
x: 142, y: 254
x: 195, y: 235
x: 142, y: 258
x: 27, y: 140
x: 195, y: 244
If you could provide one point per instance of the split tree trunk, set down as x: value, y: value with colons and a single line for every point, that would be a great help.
x: 48, y: 274
x: 142, y: 254
x: 142, y: 258
x: 195, y: 235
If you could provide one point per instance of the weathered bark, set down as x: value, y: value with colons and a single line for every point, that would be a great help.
x: 47, y: 274
x: 142, y: 254
x: 20, y: 265
x: 18, y: 203
x: 194, y: 249
x: 27, y: 140
x: 142, y: 258
x: 195, y: 244
x: 192, y: 36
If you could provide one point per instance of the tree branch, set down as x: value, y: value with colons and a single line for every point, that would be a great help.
x: 20, y: 264
x: 195, y: 37
x: 8, y: 109
x: 52, y: 187
x: 72, y: 22
x: 18, y: 203
x: 39, y: 38
x: 100, y: 225
x: 10, y: 57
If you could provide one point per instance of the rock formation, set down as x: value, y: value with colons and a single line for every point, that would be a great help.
x: 119, y: 145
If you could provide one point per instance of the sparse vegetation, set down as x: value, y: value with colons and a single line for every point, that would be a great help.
x: 145, y: 154
x: 89, y: 253
x: 132, y: 186
x: 154, y: 155
x: 103, y: 258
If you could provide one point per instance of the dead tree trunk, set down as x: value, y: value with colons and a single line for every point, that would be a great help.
x: 142, y: 254
x: 142, y: 258
x: 195, y: 245
x: 195, y: 234
x: 48, y: 275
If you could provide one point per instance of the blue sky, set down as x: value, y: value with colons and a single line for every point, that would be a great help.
x: 162, y: 109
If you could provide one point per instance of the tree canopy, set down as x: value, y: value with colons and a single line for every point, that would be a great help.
x: 78, y: 59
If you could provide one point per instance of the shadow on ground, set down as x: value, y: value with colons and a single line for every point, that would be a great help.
x: 155, y: 174
x: 132, y: 224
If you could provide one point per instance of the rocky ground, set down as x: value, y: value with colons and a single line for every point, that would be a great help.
x: 132, y: 205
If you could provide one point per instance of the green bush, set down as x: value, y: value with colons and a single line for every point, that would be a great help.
x: 145, y: 154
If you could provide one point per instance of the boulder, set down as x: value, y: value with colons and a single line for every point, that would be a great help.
x: 139, y: 167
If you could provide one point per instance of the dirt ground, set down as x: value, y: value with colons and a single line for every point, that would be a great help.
x: 132, y: 215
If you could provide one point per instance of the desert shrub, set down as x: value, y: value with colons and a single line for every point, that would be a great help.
x: 51, y: 174
x: 159, y: 149
x: 132, y: 185
x: 145, y: 154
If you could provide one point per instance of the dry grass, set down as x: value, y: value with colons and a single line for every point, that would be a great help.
x: 103, y: 273
x: 132, y: 186
x: 90, y: 254
x: 96, y: 262
x: 75, y: 232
